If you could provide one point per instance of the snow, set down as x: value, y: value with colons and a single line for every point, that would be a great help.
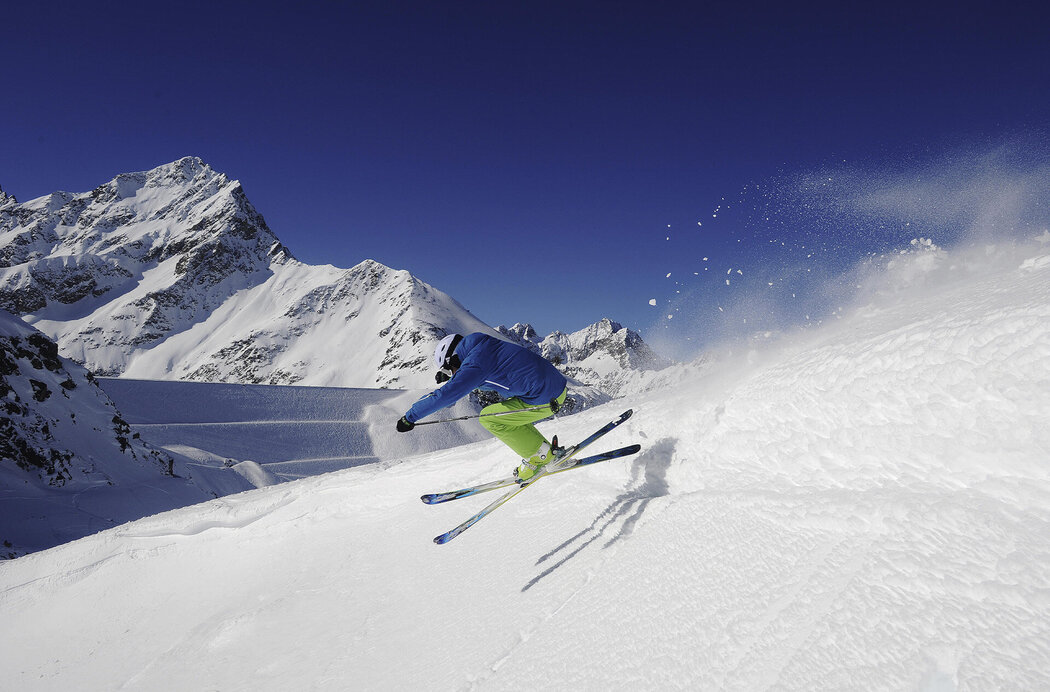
x: 69, y: 467
x: 288, y: 432
x: 862, y: 505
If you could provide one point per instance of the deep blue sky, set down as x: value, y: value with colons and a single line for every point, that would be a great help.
x: 527, y: 158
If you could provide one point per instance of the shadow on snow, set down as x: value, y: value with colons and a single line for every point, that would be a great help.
x: 629, y: 507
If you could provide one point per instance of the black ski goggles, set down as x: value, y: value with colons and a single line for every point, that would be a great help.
x: 448, y: 369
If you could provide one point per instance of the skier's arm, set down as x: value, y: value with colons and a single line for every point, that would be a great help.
x: 467, y: 379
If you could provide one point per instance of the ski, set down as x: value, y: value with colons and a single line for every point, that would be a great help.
x: 438, y: 498
x: 558, y: 466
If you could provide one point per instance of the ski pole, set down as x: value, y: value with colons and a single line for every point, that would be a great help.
x: 482, y: 415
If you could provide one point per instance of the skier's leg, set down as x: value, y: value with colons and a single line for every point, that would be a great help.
x: 517, y: 431
x: 515, y: 427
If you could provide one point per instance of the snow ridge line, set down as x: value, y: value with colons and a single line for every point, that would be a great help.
x: 233, y: 522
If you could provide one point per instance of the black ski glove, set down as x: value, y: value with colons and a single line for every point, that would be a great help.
x: 404, y: 426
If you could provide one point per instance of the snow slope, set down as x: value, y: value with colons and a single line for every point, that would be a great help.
x: 282, y: 433
x: 861, y: 506
x: 70, y: 465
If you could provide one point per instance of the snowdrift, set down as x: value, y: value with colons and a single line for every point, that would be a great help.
x: 861, y: 506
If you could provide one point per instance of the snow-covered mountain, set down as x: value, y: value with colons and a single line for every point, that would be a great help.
x: 605, y: 355
x: 863, y: 505
x: 172, y: 274
x: 70, y: 463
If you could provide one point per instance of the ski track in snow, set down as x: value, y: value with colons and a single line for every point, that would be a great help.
x: 864, y: 507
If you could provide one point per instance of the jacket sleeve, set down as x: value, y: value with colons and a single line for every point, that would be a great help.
x: 467, y: 379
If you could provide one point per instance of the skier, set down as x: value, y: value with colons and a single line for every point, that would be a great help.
x: 533, y: 387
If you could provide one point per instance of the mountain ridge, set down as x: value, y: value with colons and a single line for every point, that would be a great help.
x: 171, y: 273
x: 598, y: 354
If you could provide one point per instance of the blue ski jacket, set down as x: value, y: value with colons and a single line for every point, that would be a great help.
x: 492, y: 364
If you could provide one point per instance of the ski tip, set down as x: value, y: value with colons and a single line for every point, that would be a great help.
x: 626, y: 414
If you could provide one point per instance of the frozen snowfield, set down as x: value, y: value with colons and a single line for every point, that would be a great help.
x: 862, y: 506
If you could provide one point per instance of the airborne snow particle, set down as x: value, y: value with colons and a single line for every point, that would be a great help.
x: 668, y: 275
x: 652, y: 301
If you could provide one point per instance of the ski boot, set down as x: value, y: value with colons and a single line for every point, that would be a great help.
x: 548, y: 452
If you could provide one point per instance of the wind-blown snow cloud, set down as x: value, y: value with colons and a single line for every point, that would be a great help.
x: 978, y: 195
x: 812, y: 244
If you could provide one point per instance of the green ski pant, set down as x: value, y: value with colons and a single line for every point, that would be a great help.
x: 516, y: 430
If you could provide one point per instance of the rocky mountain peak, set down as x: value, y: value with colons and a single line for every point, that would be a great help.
x: 601, y: 331
x: 181, y: 171
x: 604, y: 338
x: 88, y: 256
x: 521, y: 334
x: 597, y: 355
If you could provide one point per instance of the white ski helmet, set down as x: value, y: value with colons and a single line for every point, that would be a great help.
x: 445, y: 348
